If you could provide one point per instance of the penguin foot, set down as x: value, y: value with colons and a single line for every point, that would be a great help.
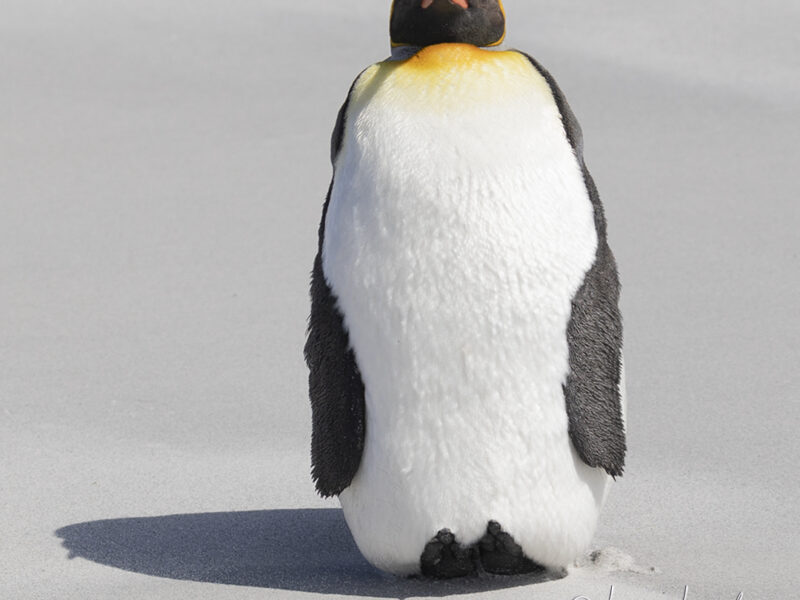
x: 501, y: 555
x: 444, y: 558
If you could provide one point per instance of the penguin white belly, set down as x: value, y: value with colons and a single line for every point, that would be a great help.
x: 458, y: 231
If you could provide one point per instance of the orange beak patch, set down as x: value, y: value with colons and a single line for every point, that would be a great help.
x: 462, y: 3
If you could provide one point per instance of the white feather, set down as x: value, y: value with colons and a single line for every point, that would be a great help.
x: 458, y: 231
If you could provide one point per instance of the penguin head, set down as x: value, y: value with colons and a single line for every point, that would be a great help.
x: 428, y: 22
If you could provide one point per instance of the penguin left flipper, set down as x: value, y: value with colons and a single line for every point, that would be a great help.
x: 594, y: 333
x: 335, y: 385
x: 592, y: 388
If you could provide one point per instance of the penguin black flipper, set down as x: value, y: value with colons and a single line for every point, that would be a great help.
x: 335, y: 386
x: 594, y: 333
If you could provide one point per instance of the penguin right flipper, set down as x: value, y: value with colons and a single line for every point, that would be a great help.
x: 335, y: 386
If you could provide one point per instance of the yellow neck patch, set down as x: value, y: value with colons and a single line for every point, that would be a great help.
x: 446, y: 77
x: 447, y: 56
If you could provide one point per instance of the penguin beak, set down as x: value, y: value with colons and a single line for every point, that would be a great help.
x: 460, y: 3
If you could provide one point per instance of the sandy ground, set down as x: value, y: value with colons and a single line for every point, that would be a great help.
x: 162, y: 169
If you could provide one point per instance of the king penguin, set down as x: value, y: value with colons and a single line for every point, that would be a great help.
x: 465, y: 341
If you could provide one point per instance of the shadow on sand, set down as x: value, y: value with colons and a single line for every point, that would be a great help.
x: 307, y: 550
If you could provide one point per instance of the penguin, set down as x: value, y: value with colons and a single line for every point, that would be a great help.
x: 465, y: 342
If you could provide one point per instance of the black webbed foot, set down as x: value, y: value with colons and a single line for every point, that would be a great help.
x: 501, y: 555
x: 445, y: 558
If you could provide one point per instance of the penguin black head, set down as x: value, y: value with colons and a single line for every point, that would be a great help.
x: 428, y: 22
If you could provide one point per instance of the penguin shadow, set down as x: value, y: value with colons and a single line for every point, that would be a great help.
x: 308, y: 550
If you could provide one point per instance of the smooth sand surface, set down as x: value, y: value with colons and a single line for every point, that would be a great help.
x: 162, y: 171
